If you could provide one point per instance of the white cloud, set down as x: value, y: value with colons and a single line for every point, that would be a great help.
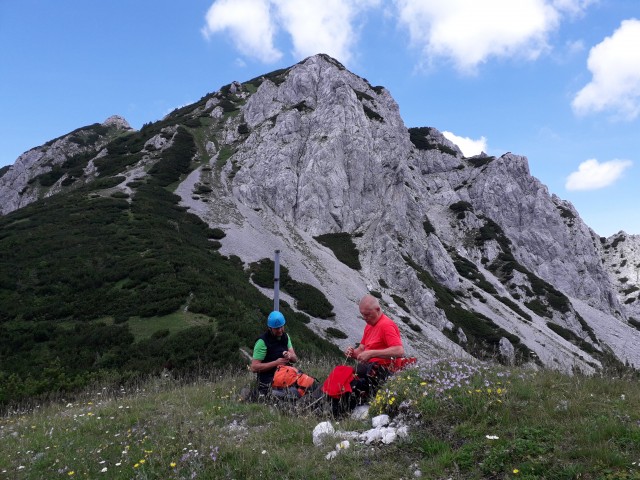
x: 249, y: 25
x: 315, y: 26
x: 592, y: 175
x: 615, y: 66
x: 469, y: 32
x: 322, y: 26
x: 466, y: 32
x: 468, y: 146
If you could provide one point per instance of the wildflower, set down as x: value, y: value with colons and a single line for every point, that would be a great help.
x: 264, y: 452
x: 172, y: 464
x: 103, y: 470
x: 136, y: 465
x: 516, y: 471
x: 492, y: 437
x: 71, y: 473
x: 142, y: 461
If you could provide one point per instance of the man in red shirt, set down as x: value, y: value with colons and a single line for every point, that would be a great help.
x: 380, y: 345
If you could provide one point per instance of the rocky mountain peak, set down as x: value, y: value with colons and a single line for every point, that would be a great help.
x: 118, y: 122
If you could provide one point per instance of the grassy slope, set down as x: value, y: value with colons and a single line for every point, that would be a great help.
x: 465, y: 422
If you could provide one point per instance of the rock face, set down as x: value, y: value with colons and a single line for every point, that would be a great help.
x: 621, y: 258
x: 471, y: 256
x: 18, y: 185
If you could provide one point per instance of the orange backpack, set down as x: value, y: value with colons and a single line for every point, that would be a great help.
x: 287, y: 376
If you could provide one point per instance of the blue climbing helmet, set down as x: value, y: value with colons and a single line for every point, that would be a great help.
x: 275, y: 320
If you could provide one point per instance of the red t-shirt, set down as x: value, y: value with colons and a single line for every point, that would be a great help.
x: 383, y: 334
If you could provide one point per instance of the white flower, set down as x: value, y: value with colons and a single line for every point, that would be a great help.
x: 492, y: 437
x: 264, y: 452
x: 103, y: 470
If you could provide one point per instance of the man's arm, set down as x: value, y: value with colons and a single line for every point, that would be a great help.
x: 258, y: 366
x: 389, y: 352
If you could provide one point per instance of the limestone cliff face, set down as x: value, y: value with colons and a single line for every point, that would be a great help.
x: 621, y: 257
x: 471, y: 256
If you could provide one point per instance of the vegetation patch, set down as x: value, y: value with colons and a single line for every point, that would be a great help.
x: 428, y: 227
x: 480, y: 160
x: 372, y: 114
x: 460, y: 208
x: 571, y: 337
x: 343, y: 247
x: 401, y: 302
x: 420, y: 137
x: 514, y: 306
x: 308, y: 298
x: 492, y: 231
x: 468, y: 270
x: 336, y: 333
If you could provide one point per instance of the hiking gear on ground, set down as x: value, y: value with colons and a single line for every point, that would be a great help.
x: 290, y: 377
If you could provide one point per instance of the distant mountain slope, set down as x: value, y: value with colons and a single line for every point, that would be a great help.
x: 471, y: 256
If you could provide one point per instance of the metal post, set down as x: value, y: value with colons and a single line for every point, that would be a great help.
x: 276, y: 282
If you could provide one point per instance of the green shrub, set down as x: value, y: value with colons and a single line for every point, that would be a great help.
x: 401, y: 302
x: 372, y: 114
x: 342, y: 247
x: 217, y: 233
x: 428, y: 227
x: 336, y: 333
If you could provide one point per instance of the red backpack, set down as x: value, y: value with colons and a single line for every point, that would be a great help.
x: 339, y: 381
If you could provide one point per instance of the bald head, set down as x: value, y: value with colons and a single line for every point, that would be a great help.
x: 370, y: 309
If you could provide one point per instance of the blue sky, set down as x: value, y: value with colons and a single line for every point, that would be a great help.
x: 557, y: 81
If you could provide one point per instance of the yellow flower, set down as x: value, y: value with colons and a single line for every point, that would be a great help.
x: 136, y: 465
x: 516, y: 471
x: 71, y: 473
x: 172, y: 464
x: 142, y: 461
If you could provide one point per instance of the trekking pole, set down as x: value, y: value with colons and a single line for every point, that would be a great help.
x: 276, y: 282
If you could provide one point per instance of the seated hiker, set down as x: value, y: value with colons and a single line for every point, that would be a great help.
x: 272, y: 349
x: 378, y: 351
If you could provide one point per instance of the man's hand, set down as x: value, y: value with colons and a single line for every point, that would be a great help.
x: 281, y: 361
x: 364, y: 356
